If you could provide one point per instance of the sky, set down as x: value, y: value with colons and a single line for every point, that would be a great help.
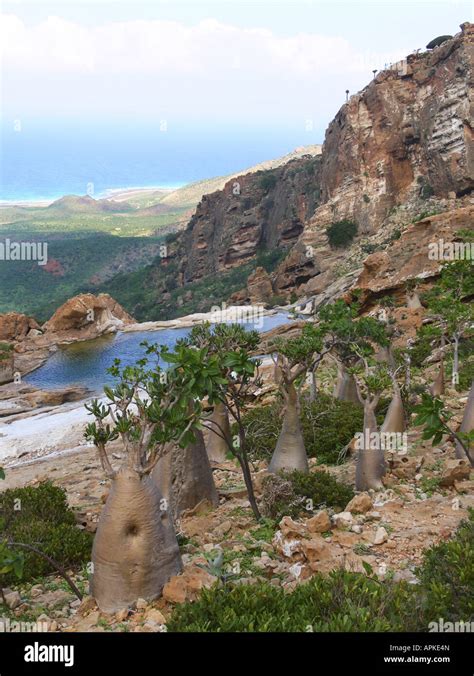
x: 224, y: 64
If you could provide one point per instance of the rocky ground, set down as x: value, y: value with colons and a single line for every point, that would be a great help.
x: 427, y: 494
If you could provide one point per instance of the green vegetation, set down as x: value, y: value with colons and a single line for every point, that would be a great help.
x: 5, y: 351
x: 76, y: 264
x: 268, y: 181
x: 328, y: 425
x: 341, y: 233
x: 141, y: 293
x: 294, y: 493
x: 40, y: 516
x: 343, y: 601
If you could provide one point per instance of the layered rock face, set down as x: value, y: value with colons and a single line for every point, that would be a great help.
x: 255, y: 212
x: 406, y: 139
x: 16, y: 326
x: 409, y: 132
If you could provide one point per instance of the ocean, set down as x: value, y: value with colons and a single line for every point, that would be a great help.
x: 46, y: 160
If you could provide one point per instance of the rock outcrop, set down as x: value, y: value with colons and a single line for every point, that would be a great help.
x: 16, y: 326
x: 86, y: 313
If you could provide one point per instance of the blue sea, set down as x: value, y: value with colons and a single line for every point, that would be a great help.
x: 46, y: 160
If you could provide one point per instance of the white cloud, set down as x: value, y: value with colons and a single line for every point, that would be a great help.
x: 225, y: 65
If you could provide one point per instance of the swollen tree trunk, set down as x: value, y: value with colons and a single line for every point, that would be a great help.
x: 135, y: 550
x: 437, y: 388
x: 219, y: 427
x: 455, y: 376
x: 313, y: 390
x: 290, y: 452
x: 370, y: 466
x: 413, y: 301
x: 184, y: 477
x: 394, y: 421
x: 467, y: 425
x: 346, y: 389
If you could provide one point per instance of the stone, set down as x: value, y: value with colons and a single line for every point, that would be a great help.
x: 13, y: 600
x: 455, y: 470
x: 290, y: 528
x: 343, y: 520
x: 154, y: 615
x: 360, y: 504
x: 316, y: 550
x: 186, y: 587
x: 319, y: 523
x: 88, y: 603
x: 88, y: 623
x: 380, y: 536
x: 141, y: 604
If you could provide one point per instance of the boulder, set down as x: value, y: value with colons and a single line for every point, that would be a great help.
x: 187, y: 585
x: 319, y: 523
x: 455, y: 470
x: 88, y: 314
x: 360, y: 504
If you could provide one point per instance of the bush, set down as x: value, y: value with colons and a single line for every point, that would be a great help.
x: 341, y: 233
x: 328, y: 425
x: 341, y: 601
x: 292, y: 493
x: 344, y: 601
x: 40, y: 516
x: 447, y: 576
x: 268, y: 181
x: 320, y: 487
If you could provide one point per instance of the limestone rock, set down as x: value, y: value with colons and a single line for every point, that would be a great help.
x: 380, y: 536
x: 455, y: 470
x: 360, y: 504
x: 319, y: 523
x: 186, y: 587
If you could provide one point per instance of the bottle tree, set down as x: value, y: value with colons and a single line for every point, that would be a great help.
x: 353, y: 339
x: 135, y: 550
x: 239, y: 378
x: 294, y: 358
x: 449, y: 301
x: 218, y: 340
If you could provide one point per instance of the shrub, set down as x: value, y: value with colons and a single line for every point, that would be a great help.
x: 341, y: 601
x: 345, y: 601
x: 426, y: 191
x: 279, y: 498
x: 328, y: 425
x: 447, y: 576
x: 322, y: 489
x: 341, y: 233
x: 268, y: 181
x: 5, y: 350
x: 291, y: 493
x: 40, y: 516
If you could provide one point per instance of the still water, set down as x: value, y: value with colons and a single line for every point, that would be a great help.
x: 86, y: 363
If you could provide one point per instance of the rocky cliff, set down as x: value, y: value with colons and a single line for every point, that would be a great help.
x: 398, y: 150
x: 261, y: 211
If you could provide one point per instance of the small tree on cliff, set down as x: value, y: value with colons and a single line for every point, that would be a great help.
x: 135, y: 549
x: 219, y: 340
x: 448, y: 299
x: 294, y: 358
